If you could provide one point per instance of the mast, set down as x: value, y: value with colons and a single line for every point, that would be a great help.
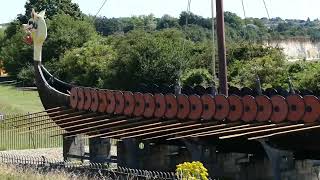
x: 221, y: 48
x: 213, y: 46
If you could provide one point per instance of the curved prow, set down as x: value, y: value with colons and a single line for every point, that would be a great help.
x: 49, y: 95
x: 55, y: 82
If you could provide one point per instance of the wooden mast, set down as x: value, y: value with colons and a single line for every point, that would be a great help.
x: 221, y: 48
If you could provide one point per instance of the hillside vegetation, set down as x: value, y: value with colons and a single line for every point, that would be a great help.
x: 124, y: 52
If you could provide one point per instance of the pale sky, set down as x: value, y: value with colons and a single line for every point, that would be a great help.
x: 287, y: 9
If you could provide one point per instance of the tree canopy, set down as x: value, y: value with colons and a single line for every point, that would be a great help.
x: 52, y: 7
x: 120, y: 53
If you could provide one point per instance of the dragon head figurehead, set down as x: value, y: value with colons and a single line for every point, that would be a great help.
x: 36, y: 32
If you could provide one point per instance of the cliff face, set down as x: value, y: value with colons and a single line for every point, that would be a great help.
x: 298, y: 48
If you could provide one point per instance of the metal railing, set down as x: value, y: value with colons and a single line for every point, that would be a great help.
x: 88, y: 169
x: 29, y: 131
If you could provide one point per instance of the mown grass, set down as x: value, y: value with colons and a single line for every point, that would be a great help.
x: 13, y: 101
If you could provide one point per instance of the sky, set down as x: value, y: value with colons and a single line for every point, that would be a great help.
x: 286, y: 9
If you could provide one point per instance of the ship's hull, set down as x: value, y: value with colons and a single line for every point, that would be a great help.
x: 56, y: 93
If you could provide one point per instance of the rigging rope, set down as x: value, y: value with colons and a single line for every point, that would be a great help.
x: 244, y: 10
x: 95, y: 17
x: 183, y: 45
x: 265, y: 6
x: 188, y: 11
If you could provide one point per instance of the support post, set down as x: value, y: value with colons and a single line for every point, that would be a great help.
x: 100, y: 150
x: 204, y: 153
x: 128, y: 155
x: 73, y: 148
x: 143, y: 155
x: 276, y: 158
x: 221, y: 48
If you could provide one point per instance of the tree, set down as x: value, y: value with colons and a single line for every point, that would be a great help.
x: 52, y: 8
x: 15, y: 54
x: 233, y: 20
x: 13, y: 28
x: 150, y: 23
x: 191, y: 18
x: 196, y: 33
x: 282, y: 27
x: 122, y: 61
x: 194, y: 77
x: 268, y: 65
x: 167, y: 21
x: 26, y: 75
x: 2, y: 37
x: 65, y: 32
x: 107, y: 26
x: 87, y: 65
x: 306, y: 75
x: 150, y: 58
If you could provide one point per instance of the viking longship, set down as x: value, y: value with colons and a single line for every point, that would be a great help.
x: 236, y: 121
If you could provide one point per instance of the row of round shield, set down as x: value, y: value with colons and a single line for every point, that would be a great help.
x: 193, y: 107
x: 201, y: 90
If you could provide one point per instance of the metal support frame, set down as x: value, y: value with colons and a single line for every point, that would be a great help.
x: 204, y: 153
x: 73, y: 148
x: 279, y: 159
x: 100, y: 150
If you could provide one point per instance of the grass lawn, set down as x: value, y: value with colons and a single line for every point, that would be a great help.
x: 13, y: 101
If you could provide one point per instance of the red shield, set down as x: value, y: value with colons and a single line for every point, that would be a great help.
x: 95, y: 100
x: 280, y: 109
x: 80, y: 98
x: 171, y: 106
x: 74, y: 97
x: 264, y: 108
x: 87, y: 99
x: 250, y: 108
x: 236, y: 108
x: 196, y: 107
x: 312, y: 113
x: 140, y: 104
x: 102, y: 101
x: 111, y: 102
x: 183, y: 106
x: 208, y: 106
x: 160, y: 105
x: 118, y: 95
x: 150, y: 105
x: 296, y: 107
x: 129, y: 103
x: 222, y: 107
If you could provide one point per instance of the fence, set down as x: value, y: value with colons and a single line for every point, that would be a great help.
x: 29, y: 131
x: 93, y: 170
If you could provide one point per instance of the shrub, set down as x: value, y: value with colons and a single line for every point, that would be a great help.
x: 197, y: 77
x: 26, y: 76
x: 192, y: 171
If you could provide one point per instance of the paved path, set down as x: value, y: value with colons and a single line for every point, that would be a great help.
x: 49, y: 153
